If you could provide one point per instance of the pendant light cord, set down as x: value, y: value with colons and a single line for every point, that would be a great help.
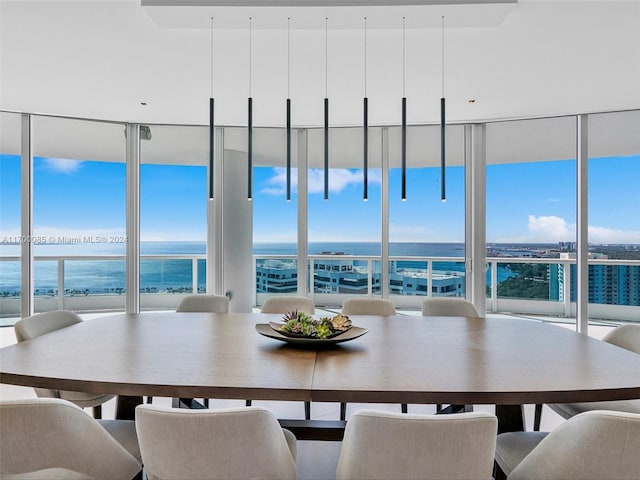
x: 250, y: 20
x: 403, y: 58
x: 365, y: 56
x: 211, y: 57
x: 443, y: 56
x: 288, y: 57
x: 326, y: 58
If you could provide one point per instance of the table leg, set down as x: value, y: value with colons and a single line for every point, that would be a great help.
x: 510, y: 418
x: 126, y: 407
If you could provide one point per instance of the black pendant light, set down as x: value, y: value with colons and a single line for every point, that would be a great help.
x: 288, y: 110
x: 443, y: 195
x: 211, y: 123
x: 250, y: 129
x: 365, y: 124
x: 326, y: 111
x: 403, y: 155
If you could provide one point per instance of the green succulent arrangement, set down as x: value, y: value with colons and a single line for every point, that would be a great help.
x: 301, y: 323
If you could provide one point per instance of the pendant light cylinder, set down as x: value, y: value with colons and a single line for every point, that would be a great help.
x: 211, y: 146
x: 365, y: 166
x: 404, y: 149
x: 288, y: 149
x: 250, y: 148
x: 326, y: 148
x: 443, y: 195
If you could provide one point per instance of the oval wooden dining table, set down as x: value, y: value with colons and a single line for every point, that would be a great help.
x: 401, y: 359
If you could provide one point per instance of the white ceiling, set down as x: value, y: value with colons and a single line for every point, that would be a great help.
x: 101, y: 59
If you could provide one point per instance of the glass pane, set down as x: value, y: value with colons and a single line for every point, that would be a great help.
x: 614, y: 226
x: 423, y: 225
x: 531, y: 213
x: 79, y: 208
x: 173, y: 216
x: 344, y: 230
x: 10, y: 208
x: 275, y: 218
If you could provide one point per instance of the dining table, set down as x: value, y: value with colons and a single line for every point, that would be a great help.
x: 398, y: 359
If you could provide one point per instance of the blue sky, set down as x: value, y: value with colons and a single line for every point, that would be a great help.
x: 526, y: 202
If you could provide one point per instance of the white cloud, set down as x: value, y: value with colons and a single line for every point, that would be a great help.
x: 610, y: 235
x: 339, y: 179
x: 551, y: 229
x: 62, y: 165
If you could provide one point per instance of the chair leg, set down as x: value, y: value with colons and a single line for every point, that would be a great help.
x: 537, y: 417
x: 205, y: 401
x: 97, y: 412
x: 343, y: 411
x: 498, y: 474
x: 149, y: 399
x: 404, y: 407
x: 307, y: 410
x: 247, y: 403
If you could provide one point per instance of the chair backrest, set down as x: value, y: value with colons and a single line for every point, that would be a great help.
x: 594, y: 445
x: 41, y: 323
x: 368, y: 306
x: 204, y: 303
x: 625, y: 336
x: 43, y: 433
x: 284, y: 304
x: 449, y: 307
x: 238, y: 443
x: 383, y: 445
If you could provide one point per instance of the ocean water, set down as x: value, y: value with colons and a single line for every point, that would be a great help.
x: 108, y: 276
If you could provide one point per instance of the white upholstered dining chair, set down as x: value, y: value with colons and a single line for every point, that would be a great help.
x: 43, y: 323
x: 204, y: 303
x: 366, y: 306
x: 237, y: 443
x: 625, y: 336
x: 594, y: 445
x: 51, y: 438
x: 448, y: 307
x: 284, y: 304
x: 386, y: 445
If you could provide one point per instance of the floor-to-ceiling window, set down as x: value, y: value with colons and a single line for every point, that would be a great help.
x: 10, y: 209
x: 422, y: 225
x: 344, y: 229
x: 275, y: 213
x: 79, y: 214
x: 79, y: 196
x: 531, y: 214
x: 614, y: 223
x: 173, y: 221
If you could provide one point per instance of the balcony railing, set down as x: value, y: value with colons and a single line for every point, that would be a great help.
x: 517, y: 285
